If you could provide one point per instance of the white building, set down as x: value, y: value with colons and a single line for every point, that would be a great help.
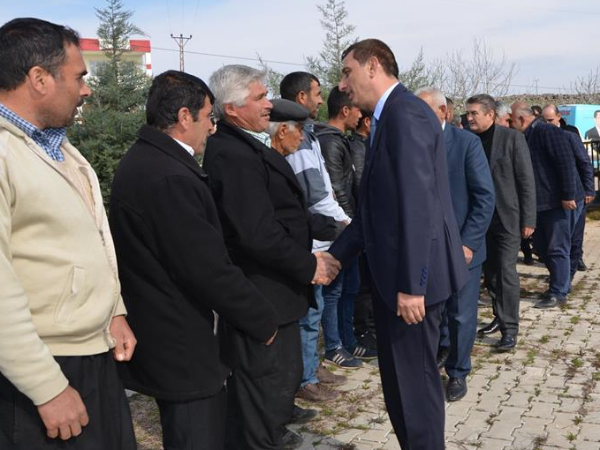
x: 139, y: 52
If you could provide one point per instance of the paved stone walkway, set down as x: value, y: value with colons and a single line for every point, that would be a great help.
x: 543, y: 396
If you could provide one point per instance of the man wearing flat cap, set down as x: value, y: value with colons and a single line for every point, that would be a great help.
x: 285, y: 127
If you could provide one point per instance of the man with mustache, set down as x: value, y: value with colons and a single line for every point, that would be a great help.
x: 266, y: 227
x: 60, y: 306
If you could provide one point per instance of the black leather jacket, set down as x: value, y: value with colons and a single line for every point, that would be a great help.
x: 358, y: 151
x: 338, y: 160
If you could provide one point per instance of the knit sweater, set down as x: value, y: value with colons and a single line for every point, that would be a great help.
x: 58, y: 268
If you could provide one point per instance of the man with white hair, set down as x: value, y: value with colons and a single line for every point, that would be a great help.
x: 502, y: 114
x: 472, y: 192
x: 266, y: 229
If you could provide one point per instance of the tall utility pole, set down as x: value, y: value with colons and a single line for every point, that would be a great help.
x: 181, y: 41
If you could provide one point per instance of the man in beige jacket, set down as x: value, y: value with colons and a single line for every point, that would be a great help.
x: 60, y: 305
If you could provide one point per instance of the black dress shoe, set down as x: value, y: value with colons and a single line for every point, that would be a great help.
x: 506, y: 343
x: 528, y: 260
x: 581, y: 267
x: 491, y: 328
x: 457, y: 389
x: 442, y: 356
x: 551, y: 301
x: 303, y: 415
x: 291, y: 439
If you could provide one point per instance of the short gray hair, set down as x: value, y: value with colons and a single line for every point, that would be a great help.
x: 502, y: 109
x: 437, y: 96
x: 274, y: 126
x: 231, y: 85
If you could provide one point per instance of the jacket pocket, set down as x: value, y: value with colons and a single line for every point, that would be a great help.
x: 70, y: 299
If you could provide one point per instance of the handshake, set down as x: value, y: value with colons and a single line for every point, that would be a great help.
x: 327, y: 268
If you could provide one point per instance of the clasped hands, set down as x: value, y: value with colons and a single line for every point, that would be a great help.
x: 327, y: 268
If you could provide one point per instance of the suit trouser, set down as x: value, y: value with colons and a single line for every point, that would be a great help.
x: 412, y: 387
x: 95, y: 378
x: 577, y: 242
x: 195, y: 424
x: 501, y: 277
x: 459, y: 326
x: 363, y: 305
x: 261, y: 389
x: 552, y: 240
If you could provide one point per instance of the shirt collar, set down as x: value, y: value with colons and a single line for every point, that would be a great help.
x: 381, y: 103
x: 263, y: 136
x: 186, y: 147
x: 50, y: 139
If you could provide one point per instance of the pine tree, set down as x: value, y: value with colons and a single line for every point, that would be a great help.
x: 115, y: 111
x: 338, y: 37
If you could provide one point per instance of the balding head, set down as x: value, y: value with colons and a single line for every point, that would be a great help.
x: 435, y: 99
x: 551, y: 115
x: 522, y: 116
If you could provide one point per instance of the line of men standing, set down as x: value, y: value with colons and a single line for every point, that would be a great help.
x: 217, y: 269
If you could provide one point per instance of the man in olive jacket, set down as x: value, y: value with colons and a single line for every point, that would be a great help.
x: 175, y: 269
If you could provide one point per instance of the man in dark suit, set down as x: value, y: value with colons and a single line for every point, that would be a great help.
x: 593, y: 133
x: 175, y: 270
x: 551, y: 115
x: 472, y: 192
x: 406, y: 226
x: 560, y: 199
x: 266, y: 228
x: 514, y: 216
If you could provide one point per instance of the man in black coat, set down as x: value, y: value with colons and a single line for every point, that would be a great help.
x: 267, y: 230
x: 175, y: 269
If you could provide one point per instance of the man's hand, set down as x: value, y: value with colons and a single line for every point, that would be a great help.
x: 468, y: 254
x: 569, y: 204
x: 64, y: 415
x: 526, y: 232
x: 411, y: 308
x: 588, y: 199
x: 124, y: 337
x: 327, y: 268
x: 271, y: 339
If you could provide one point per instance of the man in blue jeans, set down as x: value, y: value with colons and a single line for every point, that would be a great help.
x: 560, y: 198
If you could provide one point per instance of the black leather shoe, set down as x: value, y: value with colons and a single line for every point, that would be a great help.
x: 442, y: 356
x: 528, y: 260
x: 303, y: 415
x: 457, y: 389
x: 581, y: 267
x: 552, y: 301
x: 506, y: 343
x: 491, y: 328
x: 291, y: 439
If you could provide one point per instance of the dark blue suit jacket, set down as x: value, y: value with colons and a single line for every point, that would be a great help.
x: 582, y: 162
x: 405, y: 222
x: 471, y: 187
x: 556, y: 176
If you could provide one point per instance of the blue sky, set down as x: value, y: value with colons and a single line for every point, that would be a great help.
x: 553, y: 41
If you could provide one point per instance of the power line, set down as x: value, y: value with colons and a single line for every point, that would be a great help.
x: 244, y: 58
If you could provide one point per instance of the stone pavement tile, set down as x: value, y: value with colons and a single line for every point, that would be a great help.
x: 585, y: 445
x: 496, y: 444
x: 519, y: 398
x: 347, y: 436
x: 490, y: 402
x: 561, y: 430
x: 504, y: 424
x: 380, y: 436
x: 531, y: 433
x: 547, y: 396
x: 556, y: 381
x: 570, y: 404
x: 589, y: 432
x: 392, y: 444
x: 532, y: 375
x: 470, y: 430
x: 541, y: 411
x: 593, y: 417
